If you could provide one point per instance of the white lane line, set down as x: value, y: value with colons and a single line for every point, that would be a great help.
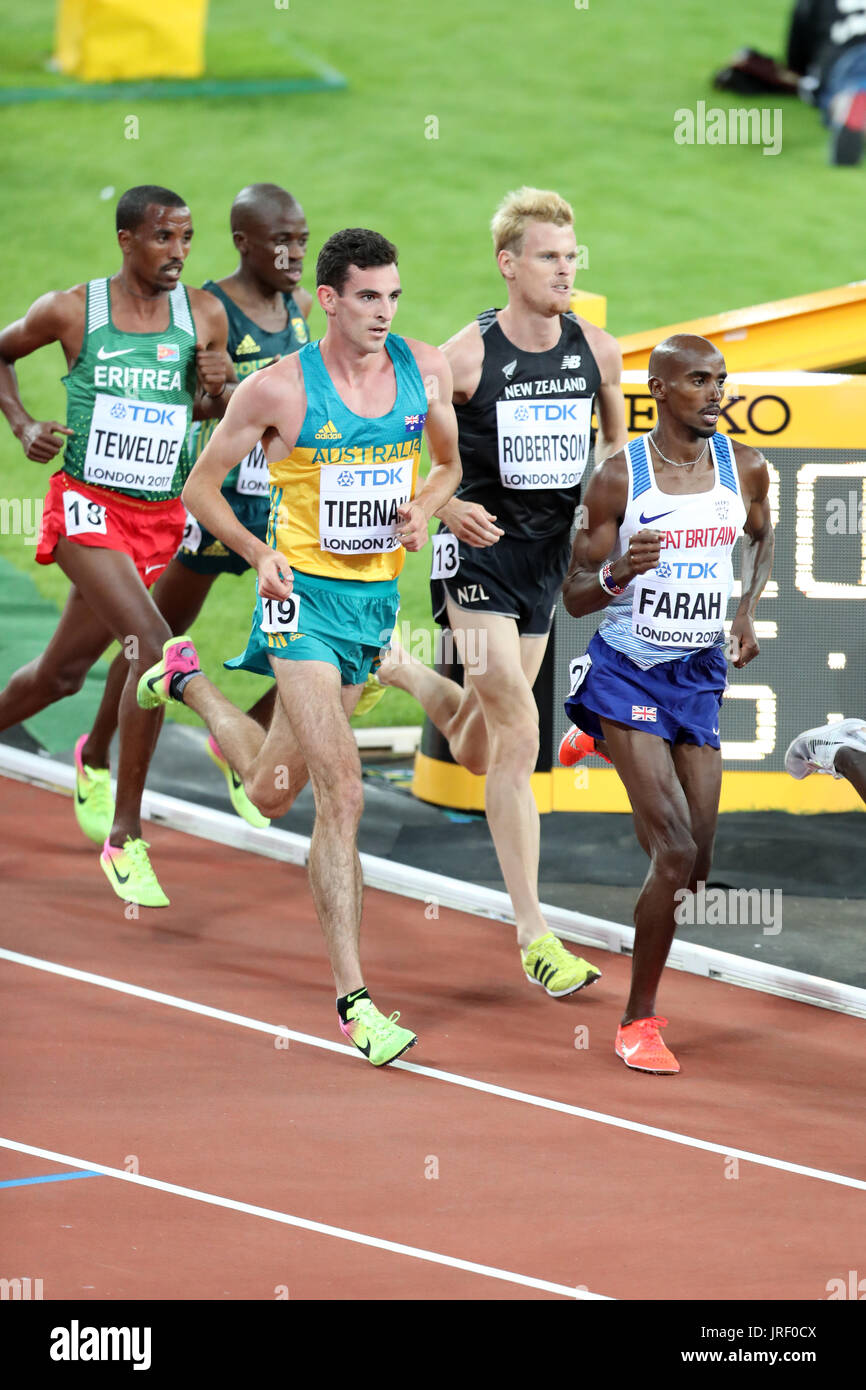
x: 268, y: 1214
x: 452, y: 1078
x: 225, y: 828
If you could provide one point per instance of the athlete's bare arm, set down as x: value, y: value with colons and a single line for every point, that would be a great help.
x: 268, y: 406
x: 468, y: 521
x: 56, y: 317
x: 609, y: 405
x: 212, y: 332
x: 757, y: 555
x: 605, y: 503
x: 440, y: 429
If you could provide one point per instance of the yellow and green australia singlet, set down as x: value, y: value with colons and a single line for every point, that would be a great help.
x: 334, y: 499
x: 129, y: 400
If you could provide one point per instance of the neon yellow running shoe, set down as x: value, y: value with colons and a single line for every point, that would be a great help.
x: 547, y: 963
x: 93, y: 798
x: 378, y: 1037
x: 179, y: 658
x: 130, y: 873
x: 370, y: 695
x: 241, y: 802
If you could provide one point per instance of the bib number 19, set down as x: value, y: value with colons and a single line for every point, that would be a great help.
x: 280, y: 614
x: 446, y: 556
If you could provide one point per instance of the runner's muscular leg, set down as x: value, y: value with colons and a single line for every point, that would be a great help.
x: 312, y: 701
x: 699, y: 770
x: 467, y: 733
x: 646, y: 767
x: 112, y: 588
x: 510, y: 715
x: 80, y: 638
x: 179, y: 594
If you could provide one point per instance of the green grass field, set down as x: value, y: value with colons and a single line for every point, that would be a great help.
x: 582, y: 100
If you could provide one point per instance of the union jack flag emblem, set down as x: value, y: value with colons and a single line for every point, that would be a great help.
x: 415, y: 422
x: 646, y: 712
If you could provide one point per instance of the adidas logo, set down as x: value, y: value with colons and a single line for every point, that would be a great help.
x: 215, y: 548
x: 246, y: 345
x: 328, y: 431
x: 508, y: 369
x: 543, y: 971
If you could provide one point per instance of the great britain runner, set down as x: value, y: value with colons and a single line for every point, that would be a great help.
x: 663, y: 517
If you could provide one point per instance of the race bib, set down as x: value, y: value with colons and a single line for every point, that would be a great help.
x: 446, y: 556
x: 358, y: 507
x: 80, y: 514
x: 578, y: 671
x: 253, y: 477
x: 543, y: 444
x: 134, y: 444
x: 673, y: 614
x: 191, y: 535
x: 280, y: 614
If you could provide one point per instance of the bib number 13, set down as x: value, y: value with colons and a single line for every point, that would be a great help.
x: 280, y: 614
x: 82, y: 514
x: 446, y: 556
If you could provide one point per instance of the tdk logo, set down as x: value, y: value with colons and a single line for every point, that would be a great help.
x: 688, y: 569
x: 152, y: 414
x: 374, y: 477
x: 549, y: 410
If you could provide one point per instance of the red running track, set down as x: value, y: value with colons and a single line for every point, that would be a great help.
x: 305, y: 1130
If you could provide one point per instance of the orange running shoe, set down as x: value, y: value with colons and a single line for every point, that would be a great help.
x: 576, y: 746
x: 640, y: 1046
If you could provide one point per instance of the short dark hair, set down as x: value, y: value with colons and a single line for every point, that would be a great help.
x: 133, y: 204
x: 353, y: 246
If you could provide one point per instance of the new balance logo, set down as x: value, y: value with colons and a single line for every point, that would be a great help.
x: 570, y: 363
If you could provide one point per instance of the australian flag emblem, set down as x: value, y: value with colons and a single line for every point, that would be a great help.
x: 414, y: 423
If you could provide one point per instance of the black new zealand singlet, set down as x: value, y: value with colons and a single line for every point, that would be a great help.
x: 524, y: 435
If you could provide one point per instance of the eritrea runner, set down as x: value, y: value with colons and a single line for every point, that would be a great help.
x: 651, y: 682
x: 341, y: 423
x: 267, y: 312
x: 136, y: 344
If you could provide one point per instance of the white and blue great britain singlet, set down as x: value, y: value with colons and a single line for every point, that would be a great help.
x: 680, y: 607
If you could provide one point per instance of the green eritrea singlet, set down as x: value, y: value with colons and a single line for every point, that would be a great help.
x: 250, y: 348
x: 129, y: 400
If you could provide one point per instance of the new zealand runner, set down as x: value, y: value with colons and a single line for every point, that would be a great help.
x: 525, y: 379
x: 341, y: 423
x: 267, y: 312
x: 664, y: 515
x: 135, y: 344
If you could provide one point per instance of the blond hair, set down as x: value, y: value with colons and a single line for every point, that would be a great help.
x: 525, y: 205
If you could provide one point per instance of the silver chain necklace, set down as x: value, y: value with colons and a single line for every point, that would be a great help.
x: 687, y: 463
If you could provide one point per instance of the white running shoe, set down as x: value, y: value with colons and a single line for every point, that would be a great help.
x: 815, y: 750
